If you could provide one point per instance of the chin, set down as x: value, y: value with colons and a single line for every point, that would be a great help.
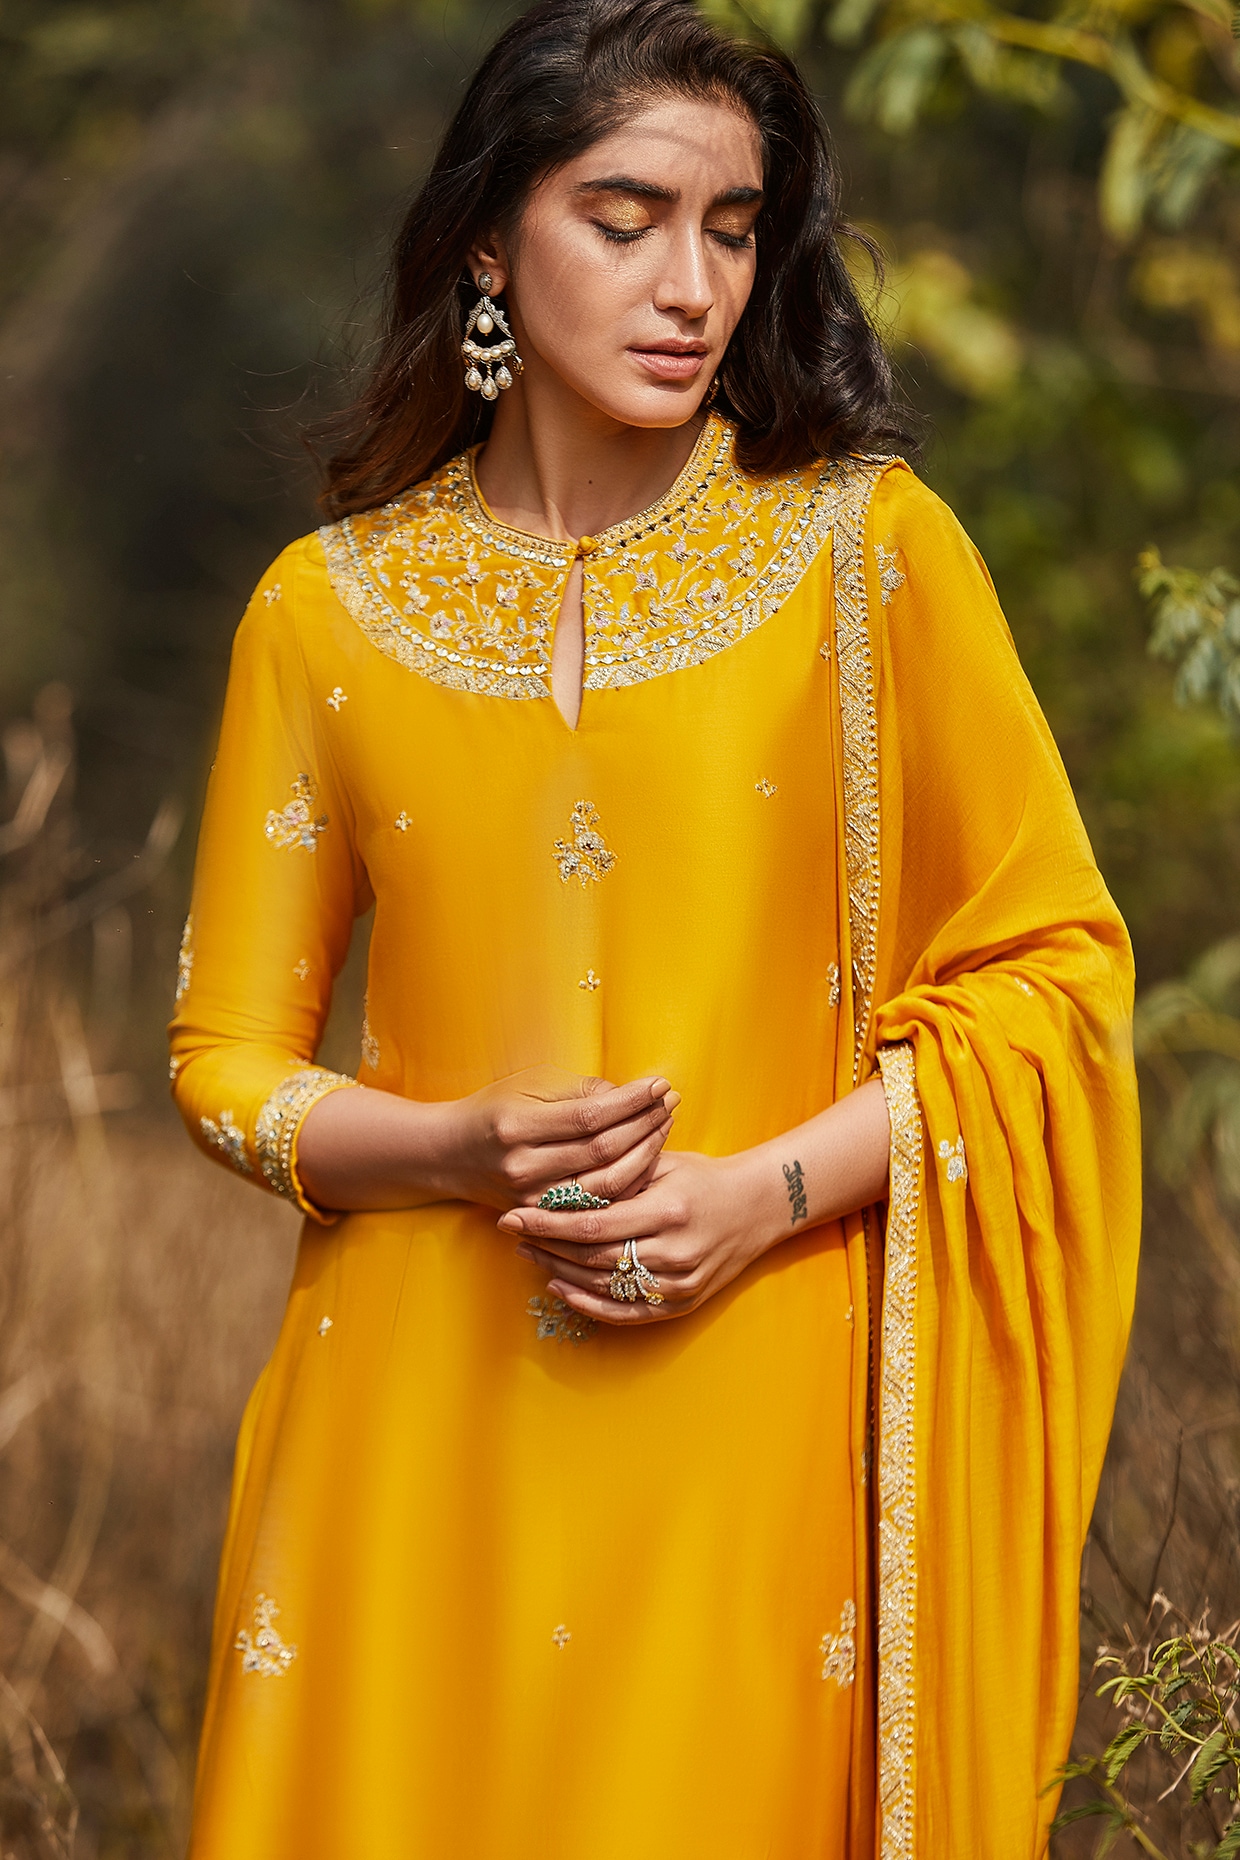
x: 654, y: 406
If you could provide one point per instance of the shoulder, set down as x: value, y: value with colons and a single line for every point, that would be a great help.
x: 907, y: 515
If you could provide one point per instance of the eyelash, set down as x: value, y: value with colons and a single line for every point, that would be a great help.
x: 736, y: 242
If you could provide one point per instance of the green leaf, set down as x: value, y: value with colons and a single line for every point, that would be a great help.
x: 893, y: 81
x: 1125, y: 181
x: 1210, y: 1759
x: 1122, y: 1747
x: 1086, y: 1811
x: 1229, y: 1847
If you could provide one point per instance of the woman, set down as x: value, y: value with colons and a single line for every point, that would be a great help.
x: 628, y: 1483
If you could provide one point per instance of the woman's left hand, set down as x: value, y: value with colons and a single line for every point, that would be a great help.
x: 699, y: 1222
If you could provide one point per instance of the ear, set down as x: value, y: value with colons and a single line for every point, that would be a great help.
x: 489, y: 254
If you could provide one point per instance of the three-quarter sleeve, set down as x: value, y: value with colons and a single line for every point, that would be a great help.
x: 277, y: 885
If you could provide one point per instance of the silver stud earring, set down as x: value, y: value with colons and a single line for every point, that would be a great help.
x: 486, y: 318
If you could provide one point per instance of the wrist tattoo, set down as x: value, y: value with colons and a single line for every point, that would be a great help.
x: 796, y: 1191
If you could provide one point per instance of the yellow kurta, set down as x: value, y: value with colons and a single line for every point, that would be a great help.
x: 500, y: 1584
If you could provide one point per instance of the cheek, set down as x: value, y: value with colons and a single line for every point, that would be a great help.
x: 570, y: 291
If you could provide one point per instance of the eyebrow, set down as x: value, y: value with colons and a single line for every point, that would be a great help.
x: 650, y: 190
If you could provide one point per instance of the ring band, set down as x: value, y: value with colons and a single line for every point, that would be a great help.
x: 629, y: 1277
x: 571, y: 1198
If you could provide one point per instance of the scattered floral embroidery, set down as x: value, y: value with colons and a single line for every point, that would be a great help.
x: 337, y: 698
x: 766, y: 787
x: 370, y: 1046
x: 1024, y: 987
x: 833, y: 985
x: 402, y: 822
x: 325, y: 1325
x: 297, y: 824
x: 273, y: 593
x: 263, y: 1651
x: 590, y: 981
x: 174, y: 1066
x: 301, y: 969
x: 561, y: 1636
x: 953, y: 1156
x: 839, y: 1651
x: 890, y: 577
x: 824, y: 651
x: 185, y: 957
x: 557, y: 1320
x: 588, y: 857
x: 848, y: 1315
x: 225, y: 1137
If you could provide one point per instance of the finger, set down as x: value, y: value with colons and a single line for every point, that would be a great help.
x: 581, y: 1276
x: 557, y: 1162
x: 637, y: 1219
x: 608, y: 1310
x: 615, y: 1181
x: 566, y: 1119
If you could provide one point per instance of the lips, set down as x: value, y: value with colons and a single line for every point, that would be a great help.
x: 670, y: 362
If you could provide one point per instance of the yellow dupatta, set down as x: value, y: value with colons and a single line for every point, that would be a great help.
x: 992, y: 985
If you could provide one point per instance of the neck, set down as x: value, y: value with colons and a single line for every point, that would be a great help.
x: 566, y: 471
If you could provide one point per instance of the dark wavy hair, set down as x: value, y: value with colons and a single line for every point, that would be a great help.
x: 804, y: 377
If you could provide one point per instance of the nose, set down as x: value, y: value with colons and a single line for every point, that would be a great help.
x: 685, y: 284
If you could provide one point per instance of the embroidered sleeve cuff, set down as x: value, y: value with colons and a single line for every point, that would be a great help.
x: 899, y: 1076
x: 277, y: 1126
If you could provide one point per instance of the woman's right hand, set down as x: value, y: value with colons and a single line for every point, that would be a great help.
x: 503, y: 1146
x: 517, y: 1138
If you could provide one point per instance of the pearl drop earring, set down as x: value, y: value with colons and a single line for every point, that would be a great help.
x: 485, y: 317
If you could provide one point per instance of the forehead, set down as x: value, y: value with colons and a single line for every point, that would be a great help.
x: 676, y: 142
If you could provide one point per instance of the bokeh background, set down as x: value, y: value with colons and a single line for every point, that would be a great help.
x: 195, y: 199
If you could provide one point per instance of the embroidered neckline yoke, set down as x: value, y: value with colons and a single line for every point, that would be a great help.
x: 435, y: 581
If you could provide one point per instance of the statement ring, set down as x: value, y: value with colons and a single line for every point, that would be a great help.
x: 629, y: 1277
x: 571, y: 1198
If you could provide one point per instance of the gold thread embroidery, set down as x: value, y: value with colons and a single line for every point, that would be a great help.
x: 590, y: 981
x: 897, y: 1490
x: 839, y: 1651
x: 174, y: 1066
x: 436, y: 583
x: 296, y: 824
x: 561, y: 1636
x: 890, y: 578
x: 325, y: 1325
x: 273, y: 593
x: 953, y: 1156
x: 337, y: 698
x: 402, y: 822
x: 301, y: 969
x: 766, y: 787
x: 280, y: 1119
x: 225, y: 1137
x: 185, y: 957
x: 370, y: 1046
x: 588, y: 857
x: 833, y: 985
x: 263, y: 1651
x: 557, y: 1320
x: 854, y: 660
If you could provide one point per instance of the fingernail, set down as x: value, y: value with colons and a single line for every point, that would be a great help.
x: 671, y: 1101
x: 659, y: 1087
x: 525, y: 1252
x: 512, y: 1224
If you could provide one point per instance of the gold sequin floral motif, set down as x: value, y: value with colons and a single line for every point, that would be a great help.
x: 839, y: 1651
x: 296, y: 824
x: 587, y: 855
x: 264, y: 1651
x: 559, y: 1322
x: 185, y: 958
x: 225, y: 1137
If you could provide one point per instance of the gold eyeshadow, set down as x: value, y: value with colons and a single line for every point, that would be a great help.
x: 624, y: 215
x: 734, y: 222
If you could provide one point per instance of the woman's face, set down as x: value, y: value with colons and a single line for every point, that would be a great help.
x: 633, y: 263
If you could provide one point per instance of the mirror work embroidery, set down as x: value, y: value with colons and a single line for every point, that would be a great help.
x: 438, y: 584
x: 264, y: 1651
